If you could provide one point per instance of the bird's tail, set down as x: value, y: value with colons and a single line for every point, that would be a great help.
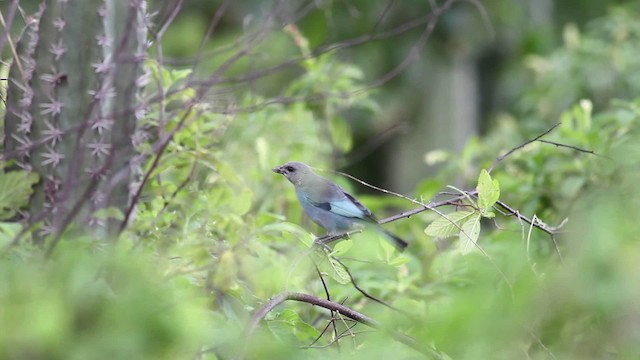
x: 395, y: 241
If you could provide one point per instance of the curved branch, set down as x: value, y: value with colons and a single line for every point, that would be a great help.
x: 343, y: 310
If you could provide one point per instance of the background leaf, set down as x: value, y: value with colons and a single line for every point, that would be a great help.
x: 15, y: 189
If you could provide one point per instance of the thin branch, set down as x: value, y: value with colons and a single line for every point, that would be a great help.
x: 485, y: 17
x: 383, y: 14
x: 415, y: 51
x: 429, y: 20
x: 165, y: 24
x: 331, y: 321
x: 380, y: 189
x: 374, y: 142
x: 569, y: 147
x: 345, y: 333
x: 326, y: 291
x: 217, y: 16
x: 502, y: 157
x: 429, y: 206
x: 551, y: 230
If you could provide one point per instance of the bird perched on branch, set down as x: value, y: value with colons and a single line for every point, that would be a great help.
x: 328, y: 205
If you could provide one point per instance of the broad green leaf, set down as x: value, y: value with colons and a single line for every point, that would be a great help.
x: 288, y: 323
x: 342, y: 247
x: 488, y: 191
x: 329, y: 265
x: 339, y: 274
x: 15, y: 189
x: 469, y: 234
x: 340, y: 133
x: 449, y: 225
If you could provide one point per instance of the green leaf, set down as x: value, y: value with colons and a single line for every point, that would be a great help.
x: 448, y: 225
x: 488, y: 192
x: 342, y: 247
x: 329, y: 265
x: 340, y: 134
x: 288, y: 323
x: 469, y: 234
x: 8, y: 231
x: 15, y: 189
x: 339, y: 274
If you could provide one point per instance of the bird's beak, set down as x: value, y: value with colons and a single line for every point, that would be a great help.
x: 277, y: 170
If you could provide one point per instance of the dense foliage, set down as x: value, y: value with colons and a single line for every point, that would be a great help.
x: 215, y: 233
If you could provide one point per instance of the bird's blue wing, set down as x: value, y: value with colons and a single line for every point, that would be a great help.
x: 334, y: 199
x: 349, y: 206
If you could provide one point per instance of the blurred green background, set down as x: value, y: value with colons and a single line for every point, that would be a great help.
x: 478, y: 64
x: 216, y: 234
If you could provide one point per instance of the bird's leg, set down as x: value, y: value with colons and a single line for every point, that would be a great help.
x: 331, y: 237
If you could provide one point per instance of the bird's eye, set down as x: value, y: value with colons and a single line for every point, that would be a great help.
x: 290, y: 169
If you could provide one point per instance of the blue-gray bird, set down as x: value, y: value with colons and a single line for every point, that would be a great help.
x: 328, y: 205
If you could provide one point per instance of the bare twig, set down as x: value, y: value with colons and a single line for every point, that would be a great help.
x: 551, y: 230
x: 414, y: 52
x: 569, y: 147
x: 380, y: 189
x: 502, y: 157
x: 429, y: 206
x: 212, y: 25
x: 332, y: 322
x: 345, y: 333
x: 374, y: 142
x: 382, y: 16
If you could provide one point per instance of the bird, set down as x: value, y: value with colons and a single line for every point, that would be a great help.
x: 329, y: 205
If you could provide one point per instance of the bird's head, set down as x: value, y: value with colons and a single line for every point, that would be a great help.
x: 294, y: 171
